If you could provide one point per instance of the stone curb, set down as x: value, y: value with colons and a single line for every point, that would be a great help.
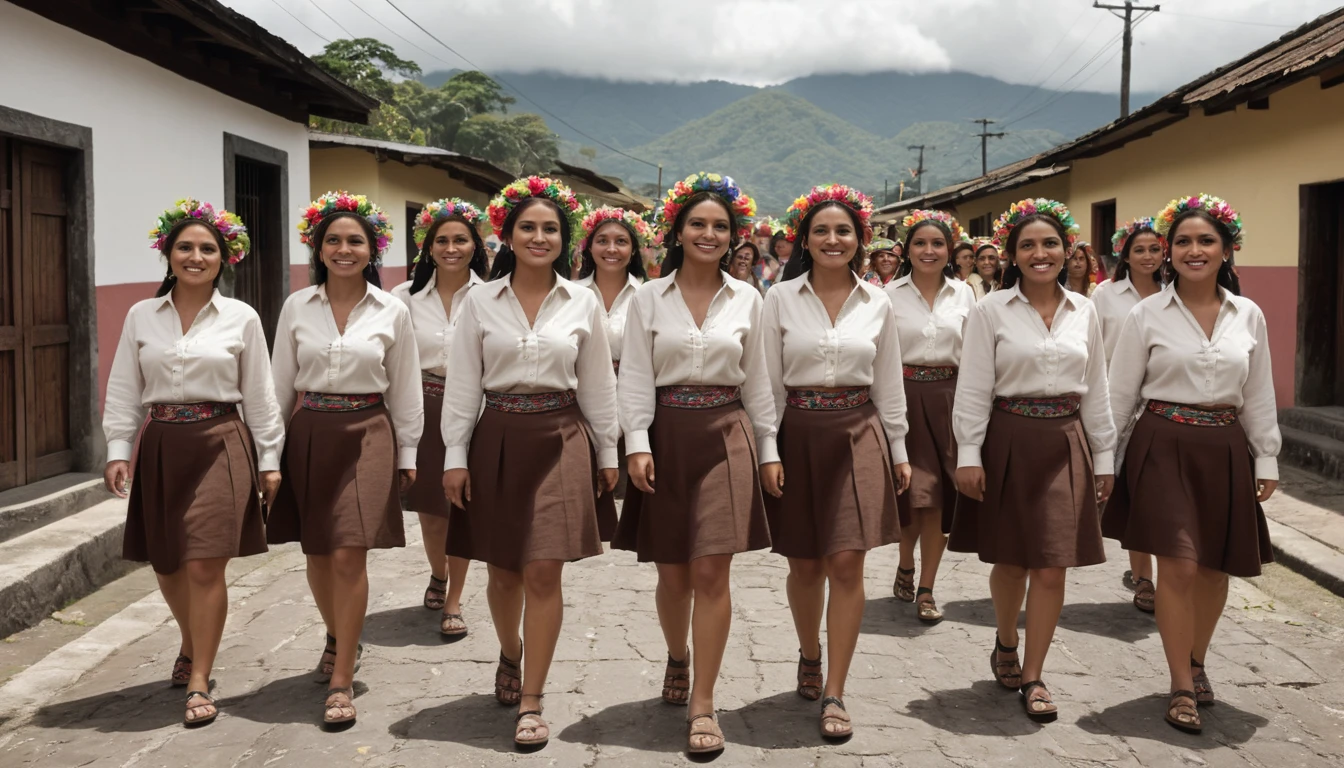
x: 1307, y: 556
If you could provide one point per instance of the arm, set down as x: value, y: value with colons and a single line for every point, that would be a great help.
x: 122, y: 412
x: 260, y: 406
x: 757, y: 397
x: 597, y: 390
x: 773, y: 336
x: 1259, y: 412
x: 1096, y: 408
x: 1127, y: 370
x: 889, y: 387
x: 405, y: 398
x: 285, y: 362
x: 975, y: 387
x: 463, y: 389
x: 636, y: 385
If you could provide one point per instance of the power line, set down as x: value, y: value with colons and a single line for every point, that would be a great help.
x: 1065, y: 60
x: 1129, y: 8
x: 320, y: 10
x: 1230, y: 21
x: 398, y: 35
x: 301, y: 22
x: 1056, y: 89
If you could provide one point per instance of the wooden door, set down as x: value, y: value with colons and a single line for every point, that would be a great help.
x: 259, y: 278
x: 13, y: 446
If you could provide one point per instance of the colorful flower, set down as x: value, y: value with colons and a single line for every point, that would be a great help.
x: 947, y: 219
x: 847, y: 196
x: 596, y: 218
x: 344, y: 202
x: 1131, y: 228
x: 1216, y: 207
x: 534, y: 186
x: 229, y: 225
x: 741, y: 204
x: 1005, y: 224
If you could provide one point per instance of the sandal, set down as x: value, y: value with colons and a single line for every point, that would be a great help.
x: 1184, y: 716
x: 904, y: 588
x: 1040, y: 707
x: 434, y: 596
x: 326, y: 665
x: 1145, y: 595
x: 194, y: 722
x: 1007, y: 671
x: 809, y: 683
x: 452, y: 625
x: 530, y: 720
x: 677, y: 684
x: 1203, y: 688
x: 181, y: 671
x: 509, y: 681
x: 925, y: 607
x: 833, y: 714
x: 705, y: 739
x: 338, y: 699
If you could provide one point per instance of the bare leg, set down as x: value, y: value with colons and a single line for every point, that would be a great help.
x: 673, y: 599
x: 806, y: 587
x: 434, y: 533
x: 457, y: 577
x: 844, y: 615
x: 1007, y: 587
x: 321, y: 580
x: 504, y: 592
x: 350, y: 601
x: 1141, y: 565
x: 176, y: 593
x: 1210, y: 597
x: 1045, y: 599
x: 1176, y: 617
x: 543, y: 614
x: 932, y: 542
x: 711, y: 619
x: 209, y: 609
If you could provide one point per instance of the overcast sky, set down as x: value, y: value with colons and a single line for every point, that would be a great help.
x: 762, y: 42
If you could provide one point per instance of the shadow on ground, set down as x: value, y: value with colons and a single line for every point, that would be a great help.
x: 140, y: 708
x: 410, y: 625
x: 1116, y: 621
x: 984, y: 709
x: 645, y: 725
x: 1142, y: 718
x: 476, y: 721
x: 296, y: 699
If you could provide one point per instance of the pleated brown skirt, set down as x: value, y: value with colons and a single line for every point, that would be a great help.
x: 932, y: 450
x: 194, y: 494
x: 708, y: 489
x: 1188, y: 491
x: 1040, y: 506
x: 533, y: 491
x: 340, y: 483
x: 839, y: 491
x: 426, y: 493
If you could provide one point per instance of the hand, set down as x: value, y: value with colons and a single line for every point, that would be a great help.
x: 971, y: 482
x: 640, y: 468
x: 902, y: 473
x: 457, y: 487
x: 606, y: 480
x: 1265, y: 488
x: 772, y: 478
x: 407, y: 479
x: 1105, y: 484
x: 270, y: 486
x: 116, y: 476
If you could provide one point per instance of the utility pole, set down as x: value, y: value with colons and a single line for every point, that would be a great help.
x: 985, y: 136
x: 919, y: 172
x: 1129, y: 8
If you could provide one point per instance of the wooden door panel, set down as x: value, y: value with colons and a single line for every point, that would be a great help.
x: 13, y: 441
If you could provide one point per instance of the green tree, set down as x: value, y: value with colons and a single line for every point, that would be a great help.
x: 520, y: 143
x: 364, y: 64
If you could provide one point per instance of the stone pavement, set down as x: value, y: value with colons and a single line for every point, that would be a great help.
x: 920, y: 696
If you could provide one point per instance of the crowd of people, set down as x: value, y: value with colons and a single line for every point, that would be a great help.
x: 798, y: 385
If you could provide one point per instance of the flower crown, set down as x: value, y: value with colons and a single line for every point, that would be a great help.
x: 344, y: 202
x: 437, y: 211
x: 1131, y: 228
x: 723, y: 186
x: 535, y: 186
x: 942, y: 217
x: 1216, y: 207
x: 1005, y: 224
x: 981, y: 242
x: 881, y: 244
x: 847, y: 196
x: 228, y: 224
x: 596, y: 218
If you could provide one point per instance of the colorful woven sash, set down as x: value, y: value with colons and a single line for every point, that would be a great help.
x: 1193, y: 414
x: 812, y: 400
x: 698, y: 397
x: 1040, y: 407
x: 433, y: 384
x: 320, y: 401
x: 188, y: 413
x: 538, y: 403
x: 929, y: 373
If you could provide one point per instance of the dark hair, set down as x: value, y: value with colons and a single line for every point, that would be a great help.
x: 588, y: 265
x: 1227, y: 273
x: 676, y: 254
x: 907, y: 264
x: 425, y: 267
x: 998, y: 268
x: 1014, y: 273
x: 800, y: 262
x: 170, y: 279
x: 1122, y: 266
x: 774, y: 240
x: 320, y: 234
x: 1091, y: 274
x: 506, y: 261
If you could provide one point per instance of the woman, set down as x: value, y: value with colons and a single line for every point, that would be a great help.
x: 451, y: 258
x: 188, y: 358
x: 882, y: 262
x: 744, y: 262
x: 349, y: 347
x: 692, y: 359
x: 532, y: 480
x: 963, y: 259
x: 1032, y: 388
x: 988, y: 274
x: 1137, y: 276
x: 610, y: 265
x: 1203, y: 456
x: 832, y: 350
x: 931, y: 308
x: 1080, y: 275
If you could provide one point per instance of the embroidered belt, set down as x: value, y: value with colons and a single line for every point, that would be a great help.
x: 321, y: 401
x: 187, y: 413
x: 433, y: 384
x: 812, y: 400
x: 1040, y: 407
x: 538, y: 403
x: 698, y: 397
x: 1193, y: 414
x: 929, y: 373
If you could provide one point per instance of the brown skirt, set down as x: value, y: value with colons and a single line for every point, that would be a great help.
x: 932, y: 450
x: 1189, y: 492
x: 194, y: 494
x: 340, y: 483
x: 426, y: 493
x: 708, y: 499
x: 533, y: 491
x: 839, y: 491
x: 1040, y: 507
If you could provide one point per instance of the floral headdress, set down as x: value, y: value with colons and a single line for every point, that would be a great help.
x: 535, y: 186
x: 1216, y: 207
x: 437, y: 211
x: 981, y: 242
x: 881, y: 244
x: 228, y: 224
x: 595, y: 219
x: 723, y: 186
x: 942, y: 217
x: 344, y: 202
x: 1005, y: 224
x: 847, y: 196
x: 1122, y: 235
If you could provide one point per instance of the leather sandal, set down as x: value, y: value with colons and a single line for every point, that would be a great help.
x: 1145, y: 595
x: 436, y: 593
x: 338, y: 699
x: 833, y: 714
x: 1008, y: 671
x: 904, y: 588
x: 703, y: 735
x: 1038, y: 704
x: 196, y: 722
x: 925, y: 607
x: 326, y: 665
x: 509, y: 681
x: 1203, y: 688
x: 530, y: 720
x: 809, y: 676
x: 1183, y: 712
x: 677, y: 680
x: 181, y: 671
x: 452, y: 625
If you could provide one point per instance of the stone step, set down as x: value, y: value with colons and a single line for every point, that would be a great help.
x: 1327, y: 421
x: 1317, y: 453
x: 30, y: 507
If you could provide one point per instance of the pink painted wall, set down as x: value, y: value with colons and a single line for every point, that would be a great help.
x: 1274, y: 289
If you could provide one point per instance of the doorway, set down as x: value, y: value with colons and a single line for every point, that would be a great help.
x: 1103, y: 226
x: 256, y: 187
x: 1320, y: 284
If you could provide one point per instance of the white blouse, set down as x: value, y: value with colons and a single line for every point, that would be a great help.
x: 614, y: 319
x: 1008, y: 352
x: 1163, y: 354
x: 433, y: 327
x: 931, y: 337
x: 803, y: 349
x: 495, y: 349
x: 220, y: 359
x: 1113, y: 301
x: 375, y: 355
x: 663, y: 347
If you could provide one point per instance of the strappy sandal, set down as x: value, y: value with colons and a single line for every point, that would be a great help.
x: 704, y: 740
x: 326, y: 666
x: 196, y: 722
x: 530, y: 720
x: 434, y: 596
x: 833, y: 714
x: 904, y: 588
x: 1007, y: 671
x: 338, y: 699
x: 926, y: 608
x: 509, y: 681
x: 1203, y: 688
x: 677, y: 680
x: 452, y: 625
x: 1184, y: 716
x: 809, y: 683
x: 181, y: 671
x: 1047, y: 712
x: 1145, y: 595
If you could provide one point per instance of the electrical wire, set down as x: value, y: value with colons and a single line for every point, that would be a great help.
x: 1230, y: 21
x: 331, y: 18
x: 301, y: 22
x: 398, y: 35
x: 1066, y: 59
